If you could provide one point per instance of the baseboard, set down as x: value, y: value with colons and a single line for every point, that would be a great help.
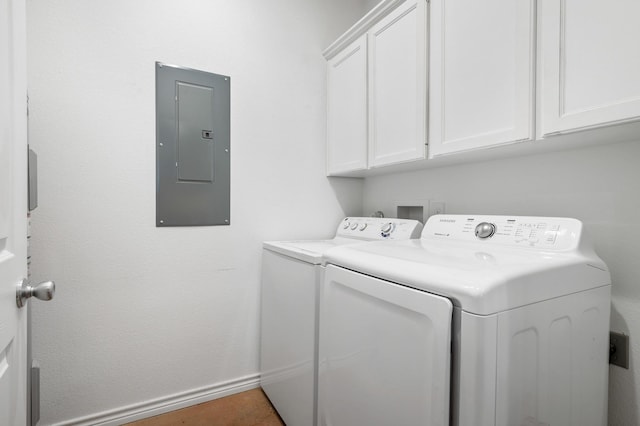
x: 162, y: 405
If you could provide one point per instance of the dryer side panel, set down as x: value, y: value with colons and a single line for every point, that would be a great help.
x: 553, y: 362
x: 288, y: 336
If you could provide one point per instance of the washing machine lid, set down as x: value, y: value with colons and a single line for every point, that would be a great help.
x: 350, y: 230
x: 484, y: 276
x: 310, y: 251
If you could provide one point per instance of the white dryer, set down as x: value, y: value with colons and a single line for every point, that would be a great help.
x: 292, y: 272
x: 484, y: 320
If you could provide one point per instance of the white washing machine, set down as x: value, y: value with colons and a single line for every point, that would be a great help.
x: 484, y: 320
x: 292, y: 272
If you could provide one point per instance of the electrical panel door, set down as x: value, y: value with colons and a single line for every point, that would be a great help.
x: 192, y: 147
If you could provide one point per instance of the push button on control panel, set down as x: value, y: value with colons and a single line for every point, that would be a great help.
x: 550, y: 237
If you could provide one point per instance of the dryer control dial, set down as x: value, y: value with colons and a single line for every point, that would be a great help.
x: 387, y: 229
x: 485, y: 230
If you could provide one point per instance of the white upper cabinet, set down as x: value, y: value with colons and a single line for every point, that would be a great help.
x: 590, y: 64
x: 482, y: 73
x: 398, y: 85
x: 347, y: 109
x: 493, y: 72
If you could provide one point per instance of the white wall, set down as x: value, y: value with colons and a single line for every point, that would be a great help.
x: 598, y: 185
x: 142, y: 313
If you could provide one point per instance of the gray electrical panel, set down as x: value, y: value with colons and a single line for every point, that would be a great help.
x: 192, y: 147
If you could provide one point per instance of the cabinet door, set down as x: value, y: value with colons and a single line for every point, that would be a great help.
x: 347, y: 109
x: 481, y: 74
x: 398, y: 85
x: 590, y: 64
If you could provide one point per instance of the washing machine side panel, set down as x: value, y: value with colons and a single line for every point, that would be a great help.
x: 385, y: 353
x: 553, y: 362
x: 474, y: 370
x: 288, y: 344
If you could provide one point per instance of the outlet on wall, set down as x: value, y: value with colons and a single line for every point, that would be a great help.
x: 436, y: 207
x: 619, y: 349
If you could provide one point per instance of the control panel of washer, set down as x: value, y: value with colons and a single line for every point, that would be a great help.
x: 523, y: 231
x: 376, y: 228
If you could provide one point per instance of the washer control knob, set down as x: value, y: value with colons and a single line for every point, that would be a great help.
x: 354, y: 226
x: 485, y: 230
x: 387, y: 229
x: 346, y: 225
x: 363, y: 226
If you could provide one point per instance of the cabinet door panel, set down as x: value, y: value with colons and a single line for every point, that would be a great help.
x: 590, y: 64
x: 347, y: 109
x: 397, y: 85
x: 482, y: 74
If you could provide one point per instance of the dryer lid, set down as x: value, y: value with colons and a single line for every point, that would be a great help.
x: 483, y: 276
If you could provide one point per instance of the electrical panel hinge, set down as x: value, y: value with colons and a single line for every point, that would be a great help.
x: 35, y: 393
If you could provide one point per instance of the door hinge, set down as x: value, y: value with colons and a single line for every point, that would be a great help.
x: 35, y: 393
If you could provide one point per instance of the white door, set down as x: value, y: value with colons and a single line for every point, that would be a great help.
x: 398, y: 85
x: 384, y: 352
x: 347, y: 109
x: 589, y: 64
x: 13, y: 212
x: 481, y: 74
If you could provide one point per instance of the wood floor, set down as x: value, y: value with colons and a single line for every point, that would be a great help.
x: 250, y: 408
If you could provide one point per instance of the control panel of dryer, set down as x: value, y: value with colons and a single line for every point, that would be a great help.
x: 547, y: 233
x: 376, y: 228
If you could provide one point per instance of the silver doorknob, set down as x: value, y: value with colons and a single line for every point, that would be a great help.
x: 43, y: 291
